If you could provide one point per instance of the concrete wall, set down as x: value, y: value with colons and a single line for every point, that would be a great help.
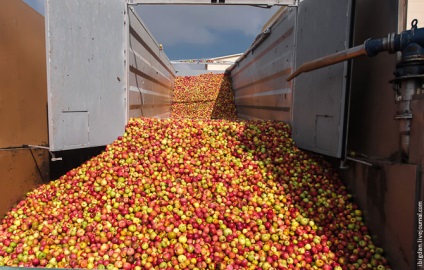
x: 23, y: 102
x: 415, y: 11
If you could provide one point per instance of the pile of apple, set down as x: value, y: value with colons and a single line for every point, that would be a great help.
x: 207, y: 96
x: 193, y: 194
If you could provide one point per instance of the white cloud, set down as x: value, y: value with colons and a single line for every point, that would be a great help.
x: 38, y: 5
x: 200, y: 24
x: 177, y: 24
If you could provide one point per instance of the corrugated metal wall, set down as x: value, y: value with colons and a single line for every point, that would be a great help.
x: 23, y: 102
x: 261, y: 91
x: 151, y: 75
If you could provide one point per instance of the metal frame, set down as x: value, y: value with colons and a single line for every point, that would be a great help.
x: 217, y: 2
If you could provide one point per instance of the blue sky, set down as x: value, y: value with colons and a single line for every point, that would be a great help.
x: 38, y: 5
x: 204, y: 31
x: 188, y: 32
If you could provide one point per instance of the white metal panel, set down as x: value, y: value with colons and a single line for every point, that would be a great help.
x: 319, y: 97
x: 86, y: 72
x: 74, y: 121
x: 150, y: 75
x: 208, y: 2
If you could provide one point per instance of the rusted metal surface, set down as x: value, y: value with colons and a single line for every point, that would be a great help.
x: 372, y: 129
x: 261, y: 91
x: 416, y: 153
x: 418, y: 251
x: 23, y: 102
x: 416, y: 156
x: 386, y: 193
x: 23, y: 83
x: 21, y: 171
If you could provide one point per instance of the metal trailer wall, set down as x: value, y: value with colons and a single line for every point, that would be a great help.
x: 86, y: 69
x: 104, y: 67
x: 23, y: 102
x: 151, y: 74
x: 313, y: 104
x: 260, y: 88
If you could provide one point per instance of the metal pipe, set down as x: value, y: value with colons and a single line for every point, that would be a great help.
x: 329, y: 60
x: 391, y: 43
x: 38, y: 146
x: 54, y: 158
x: 407, y: 88
x: 360, y: 161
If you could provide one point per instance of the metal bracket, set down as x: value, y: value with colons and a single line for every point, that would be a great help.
x: 54, y: 158
x: 360, y: 161
x: 404, y: 116
x: 355, y: 157
x: 344, y: 164
x: 396, y: 89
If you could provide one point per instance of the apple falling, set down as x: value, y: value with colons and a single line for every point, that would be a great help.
x: 198, y: 193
